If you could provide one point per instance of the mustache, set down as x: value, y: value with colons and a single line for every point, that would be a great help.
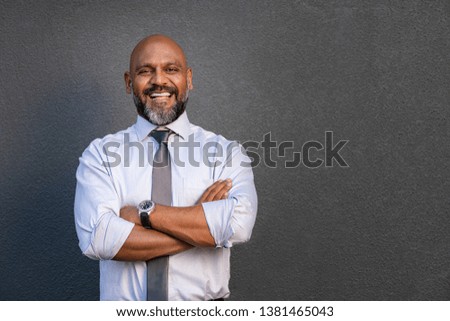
x: 153, y: 89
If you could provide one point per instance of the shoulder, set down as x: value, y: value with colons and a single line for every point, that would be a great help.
x: 208, y: 137
x: 100, y: 147
x: 217, y: 145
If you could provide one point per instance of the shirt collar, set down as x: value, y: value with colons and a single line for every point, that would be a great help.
x: 181, y: 127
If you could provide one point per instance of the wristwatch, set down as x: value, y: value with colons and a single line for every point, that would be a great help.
x: 145, y: 208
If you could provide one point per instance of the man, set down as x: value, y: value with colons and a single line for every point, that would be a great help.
x: 161, y: 203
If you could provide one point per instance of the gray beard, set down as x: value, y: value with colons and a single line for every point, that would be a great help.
x: 159, y: 116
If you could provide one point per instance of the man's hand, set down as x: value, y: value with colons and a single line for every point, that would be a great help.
x: 130, y: 214
x: 217, y: 191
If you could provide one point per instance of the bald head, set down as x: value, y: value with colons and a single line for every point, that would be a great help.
x: 157, y: 43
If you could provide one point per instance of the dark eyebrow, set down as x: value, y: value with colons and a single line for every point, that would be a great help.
x: 143, y: 66
x: 174, y: 62
x: 169, y: 63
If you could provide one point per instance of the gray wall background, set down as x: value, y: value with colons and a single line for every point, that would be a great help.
x: 375, y: 73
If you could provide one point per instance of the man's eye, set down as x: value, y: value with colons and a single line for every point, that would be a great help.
x: 143, y: 71
x: 172, y: 69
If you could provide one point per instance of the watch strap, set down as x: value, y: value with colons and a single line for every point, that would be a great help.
x: 145, y: 221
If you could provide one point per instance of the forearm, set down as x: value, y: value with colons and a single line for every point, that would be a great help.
x: 179, y: 228
x: 143, y: 245
x: 184, y: 223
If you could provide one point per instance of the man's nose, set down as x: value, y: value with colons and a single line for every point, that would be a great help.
x: 158, y: 78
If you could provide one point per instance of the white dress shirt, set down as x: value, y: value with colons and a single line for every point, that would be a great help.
x: 116, y: 171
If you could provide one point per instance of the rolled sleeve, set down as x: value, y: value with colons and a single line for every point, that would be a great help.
x: 231, y: 221
x: 219, y: 217
x: 100, y: 230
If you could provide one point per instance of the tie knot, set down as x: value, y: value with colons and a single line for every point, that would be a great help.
x: 161, y: 135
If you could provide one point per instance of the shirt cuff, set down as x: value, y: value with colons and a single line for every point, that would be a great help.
x: 108, y: 237
x: 218, y: 216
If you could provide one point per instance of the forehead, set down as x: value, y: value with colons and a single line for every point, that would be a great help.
x: 157, y: 52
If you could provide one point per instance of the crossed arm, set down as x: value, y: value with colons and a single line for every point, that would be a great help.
x: 174, y: 229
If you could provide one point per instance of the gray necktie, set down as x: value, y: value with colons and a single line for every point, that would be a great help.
x: 157, y: 269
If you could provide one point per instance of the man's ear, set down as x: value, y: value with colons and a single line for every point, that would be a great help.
x: 189, y: 79
x: 128, y: 84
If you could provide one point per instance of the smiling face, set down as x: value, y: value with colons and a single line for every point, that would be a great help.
x: 159, y: 79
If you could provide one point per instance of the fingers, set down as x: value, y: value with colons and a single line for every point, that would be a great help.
x: 130, y: 214
x: 222, y: 193
x: 124, y: 211
x: 217, y: 191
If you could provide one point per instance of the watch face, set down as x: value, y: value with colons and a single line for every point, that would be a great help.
x: 146, y: 205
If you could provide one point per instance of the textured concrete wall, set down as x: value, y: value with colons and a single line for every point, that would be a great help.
x: 375, y: 73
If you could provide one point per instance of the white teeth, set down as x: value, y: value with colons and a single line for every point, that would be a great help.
x: 160, y: 95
